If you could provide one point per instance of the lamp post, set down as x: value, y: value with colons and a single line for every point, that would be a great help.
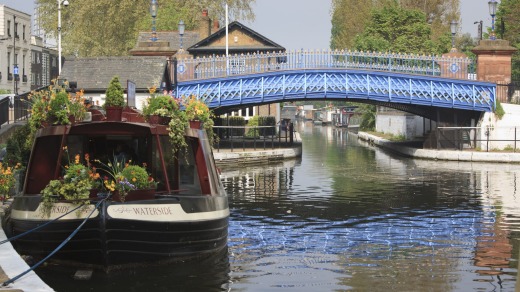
x: 181, y: 30
x: 15, y: 66
x: 492, y: 11
x: 453, y: 27
x: 65, y: 3
x: 153, y: 11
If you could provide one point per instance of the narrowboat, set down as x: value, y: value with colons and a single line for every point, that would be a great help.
x: 185, y: 217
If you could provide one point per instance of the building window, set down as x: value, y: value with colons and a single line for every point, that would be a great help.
x: 9, y: 28
x: 23, y: 32
x: 33, y: 78
x: 8, y: 62
x: 23, y: 64
x: 16, y: 30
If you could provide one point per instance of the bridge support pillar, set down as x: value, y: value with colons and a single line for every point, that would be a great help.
x: 494, y: 64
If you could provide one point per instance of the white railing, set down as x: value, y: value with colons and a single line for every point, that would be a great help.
x: 220, y: 66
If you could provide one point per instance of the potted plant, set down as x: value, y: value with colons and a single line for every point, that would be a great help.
x: 199, y: 115
x: 159, y: 106
x: 77, y: 106
x: 126, y: 181
x: 74, y: 186
x: 114, y: 100
x: 197, y: 111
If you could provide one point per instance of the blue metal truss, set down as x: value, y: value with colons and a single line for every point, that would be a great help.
x: 353, y: 85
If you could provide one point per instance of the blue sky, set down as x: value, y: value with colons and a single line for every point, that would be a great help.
x: 297, y: 24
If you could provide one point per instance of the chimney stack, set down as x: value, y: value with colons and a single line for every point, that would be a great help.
x: 205, y: 25
x: 216, y: 26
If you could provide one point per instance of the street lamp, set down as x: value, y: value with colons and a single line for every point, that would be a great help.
x: 492, y: 11
x: 65, y: 3
x: 181, y: 30
x: 15, y: 66
x: 153, y: 11
x: 453, y: 27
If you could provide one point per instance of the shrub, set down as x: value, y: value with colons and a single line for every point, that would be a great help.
x: 114, y: 95
x: 138, y: 176
x: 252, y: 131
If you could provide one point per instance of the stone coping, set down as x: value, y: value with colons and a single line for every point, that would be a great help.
x: 450, y: 155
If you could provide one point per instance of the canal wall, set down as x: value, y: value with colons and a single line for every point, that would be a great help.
x: 404, y: 148
x: 12, y: 265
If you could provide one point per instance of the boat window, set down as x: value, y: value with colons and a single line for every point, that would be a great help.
x: 182, y: 172
x: 107, y: 148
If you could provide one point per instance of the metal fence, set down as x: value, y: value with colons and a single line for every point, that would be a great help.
x: 221, y: 66
x: 13, y: 109
x: 4, y: 110
x: 242, y: 138
x: 508, y: 92
x: 479, y: 138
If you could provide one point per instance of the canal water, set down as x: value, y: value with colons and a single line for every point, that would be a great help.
x: 350, y: 217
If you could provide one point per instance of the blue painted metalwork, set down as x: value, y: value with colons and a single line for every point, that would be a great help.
x: 342, y: 84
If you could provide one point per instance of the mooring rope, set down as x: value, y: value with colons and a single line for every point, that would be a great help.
x: 55, y: 250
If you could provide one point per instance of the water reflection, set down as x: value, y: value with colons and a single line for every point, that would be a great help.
x: 207, y: 274
x: 347, y: 216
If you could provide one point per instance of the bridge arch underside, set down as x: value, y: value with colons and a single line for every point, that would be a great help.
x: 435, y: 98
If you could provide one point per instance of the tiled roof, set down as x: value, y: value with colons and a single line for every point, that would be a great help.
x: 96, y: 73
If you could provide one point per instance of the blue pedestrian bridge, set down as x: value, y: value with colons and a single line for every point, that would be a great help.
x: 406, y: 82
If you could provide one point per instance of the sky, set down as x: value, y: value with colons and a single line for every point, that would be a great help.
x: 305, y: 24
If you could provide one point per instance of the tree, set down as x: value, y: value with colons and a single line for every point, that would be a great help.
x: 350, y: 17
x: 509, y: 28
x: 396, y: 29
x: 110, y: 28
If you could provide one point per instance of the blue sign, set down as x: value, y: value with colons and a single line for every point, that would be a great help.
x: 454, y: 68
x: 181, y: 68
x: 15, y: 70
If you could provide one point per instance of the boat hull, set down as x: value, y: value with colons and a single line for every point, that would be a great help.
x: 119, y: 235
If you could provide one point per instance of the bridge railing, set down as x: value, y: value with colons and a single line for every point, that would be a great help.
x: 222, y: 66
